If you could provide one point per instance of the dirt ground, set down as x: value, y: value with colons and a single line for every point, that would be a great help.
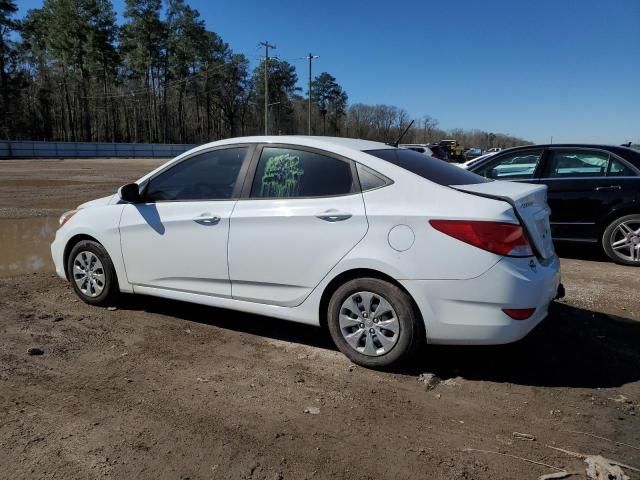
x: 162, y: 389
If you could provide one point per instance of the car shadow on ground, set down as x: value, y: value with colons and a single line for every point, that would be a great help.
x: 573, y: 347
x: 578, y: 251
x: 231, y: 320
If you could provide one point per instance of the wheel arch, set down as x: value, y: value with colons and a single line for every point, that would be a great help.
x: 73, y: 241
x: 629, y: 209
x: 352, y: 274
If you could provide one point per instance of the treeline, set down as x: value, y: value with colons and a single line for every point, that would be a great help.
x: 69, y: 72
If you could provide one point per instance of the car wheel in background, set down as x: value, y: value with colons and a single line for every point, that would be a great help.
x: 91, y: 273
x: 621, y: 240
x: 373, y: 322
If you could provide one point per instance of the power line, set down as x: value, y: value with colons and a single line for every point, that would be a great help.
x: 266, y: 46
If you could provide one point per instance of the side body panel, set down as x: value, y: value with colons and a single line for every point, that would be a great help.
x: 580, y: 206
x: 279, y: 250
x: 178, y: 245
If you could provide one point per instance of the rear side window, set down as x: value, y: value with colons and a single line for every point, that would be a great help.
x: 369, y: 179
x: 290, y: 173
x: 618, y: 169
x: 206, y: 176
x: 427, y: 167
x: 576, y: 163
x: 579, y: 163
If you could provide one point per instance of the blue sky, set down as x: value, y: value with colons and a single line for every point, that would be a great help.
x: 538, y: 68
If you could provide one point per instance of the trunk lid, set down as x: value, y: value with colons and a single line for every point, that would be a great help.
x: 530, y: 204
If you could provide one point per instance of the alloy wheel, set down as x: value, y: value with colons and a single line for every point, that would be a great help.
x: 625, y: 240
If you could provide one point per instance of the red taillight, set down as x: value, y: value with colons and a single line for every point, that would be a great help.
x: 496, y: 237
x: 519, y: 313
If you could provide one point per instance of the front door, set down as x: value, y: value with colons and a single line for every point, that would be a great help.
x: 177, y: 239
x: 304, y: 213
x: 520, y: 166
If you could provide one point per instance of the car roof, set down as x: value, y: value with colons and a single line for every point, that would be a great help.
x: 308, y: 141
x: 625, y: 152
x: 571, y: 145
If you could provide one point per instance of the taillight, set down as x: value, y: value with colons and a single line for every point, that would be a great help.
x: 496, y: 237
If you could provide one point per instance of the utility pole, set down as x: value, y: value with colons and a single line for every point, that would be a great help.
x: 310, y: 57
x: 266, y: 46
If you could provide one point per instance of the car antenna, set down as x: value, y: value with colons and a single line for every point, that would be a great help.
x: 397, y: 142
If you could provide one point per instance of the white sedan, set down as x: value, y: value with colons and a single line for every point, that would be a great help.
x: 384, y: 247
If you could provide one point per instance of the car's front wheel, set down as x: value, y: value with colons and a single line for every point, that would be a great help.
x: 373, y: 322
x: 91, y: 273
x: 621, y: 240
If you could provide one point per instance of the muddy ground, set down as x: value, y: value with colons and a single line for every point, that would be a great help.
x: 162, y: 389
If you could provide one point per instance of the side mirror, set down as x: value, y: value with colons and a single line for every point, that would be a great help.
x: 130, y: 193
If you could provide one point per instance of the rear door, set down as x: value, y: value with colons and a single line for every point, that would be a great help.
x: 585, y: 185
x: 301, y: 213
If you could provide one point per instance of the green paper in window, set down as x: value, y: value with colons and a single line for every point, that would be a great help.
x: 282, y: 175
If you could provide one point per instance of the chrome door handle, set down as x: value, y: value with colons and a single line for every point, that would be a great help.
x: 334, y: 217
x: 207, y: 220
x: 610, y: 187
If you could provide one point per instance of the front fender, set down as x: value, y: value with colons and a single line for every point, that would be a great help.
x: 100, y: 223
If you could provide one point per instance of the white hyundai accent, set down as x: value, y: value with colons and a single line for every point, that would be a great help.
x: 382, y: 246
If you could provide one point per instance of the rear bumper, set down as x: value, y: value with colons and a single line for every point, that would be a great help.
x: 469, y: 312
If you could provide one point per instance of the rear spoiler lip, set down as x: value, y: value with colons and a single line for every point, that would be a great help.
x: 539, y: 256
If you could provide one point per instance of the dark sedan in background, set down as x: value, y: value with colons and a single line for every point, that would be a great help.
x: 594, y: 192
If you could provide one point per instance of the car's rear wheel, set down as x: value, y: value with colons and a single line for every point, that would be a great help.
x: 621, y: 240
x: 373, y: 322
x: 91, y: 273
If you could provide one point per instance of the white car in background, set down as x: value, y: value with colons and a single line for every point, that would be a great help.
x: 418, y: 147
x: 385, y: 247
x: 474, y: 161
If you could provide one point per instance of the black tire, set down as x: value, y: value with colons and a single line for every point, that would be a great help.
x: 613, y: 233
x: 110, y: 289
x: 411, y: 330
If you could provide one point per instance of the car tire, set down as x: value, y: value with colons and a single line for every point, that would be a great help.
x: 368, y: 335
x: 621, y: 240
x: 91, y: 273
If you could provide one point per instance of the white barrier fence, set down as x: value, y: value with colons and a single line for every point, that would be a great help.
x: 27, y: 149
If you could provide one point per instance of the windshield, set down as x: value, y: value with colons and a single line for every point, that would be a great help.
x: 437, y: 171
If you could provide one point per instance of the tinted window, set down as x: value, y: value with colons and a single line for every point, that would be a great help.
x: 427, y: 167
x: 370, y: 179
x: 208, y: 176
x: 576, y: 163
x: 287, y: 173
x: 511, y: 166
x: 618, y: 169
